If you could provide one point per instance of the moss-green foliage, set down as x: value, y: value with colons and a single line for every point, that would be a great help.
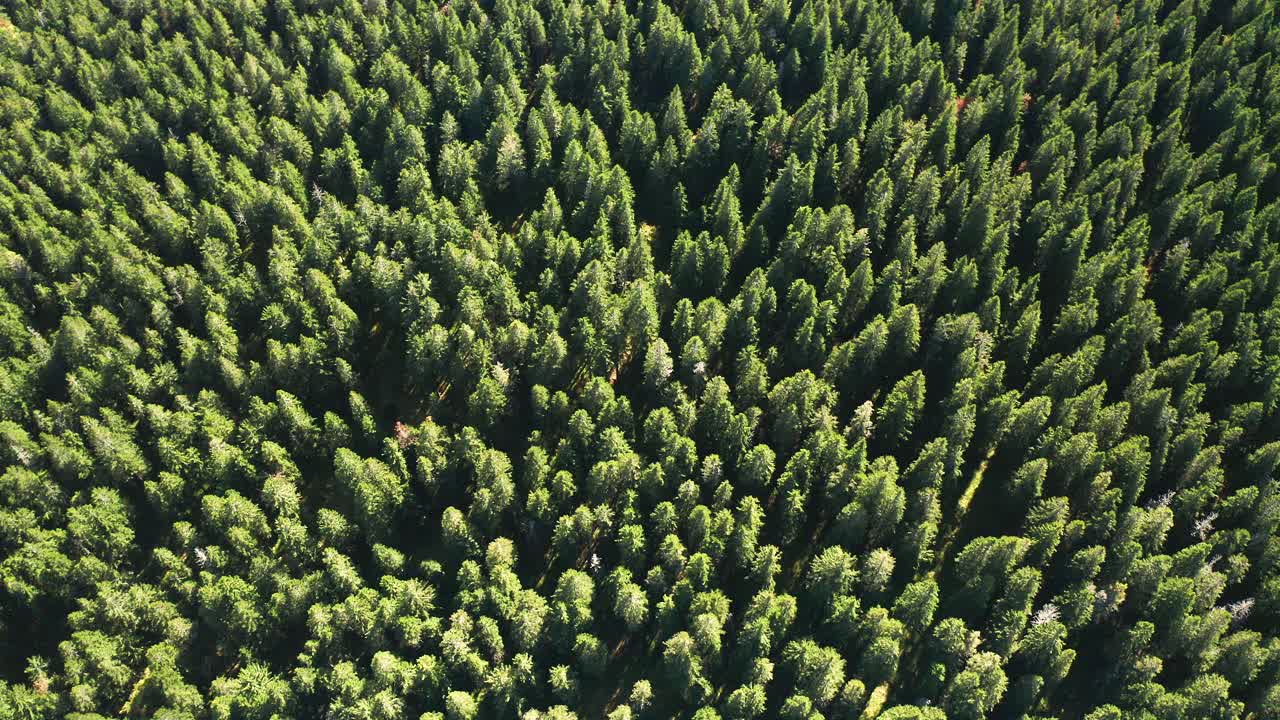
x: 384, y: 359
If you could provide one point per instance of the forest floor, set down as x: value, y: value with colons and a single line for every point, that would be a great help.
x: 915, y: 647
x: 956, y: 523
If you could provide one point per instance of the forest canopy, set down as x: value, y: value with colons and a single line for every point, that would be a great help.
x: 698, y: 359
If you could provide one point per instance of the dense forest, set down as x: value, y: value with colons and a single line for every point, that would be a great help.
x: 709, y: 359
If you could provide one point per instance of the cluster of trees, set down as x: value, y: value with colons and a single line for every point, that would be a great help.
x: 712, y: 359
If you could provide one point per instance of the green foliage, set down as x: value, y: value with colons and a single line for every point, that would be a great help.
x: 461, y: 360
